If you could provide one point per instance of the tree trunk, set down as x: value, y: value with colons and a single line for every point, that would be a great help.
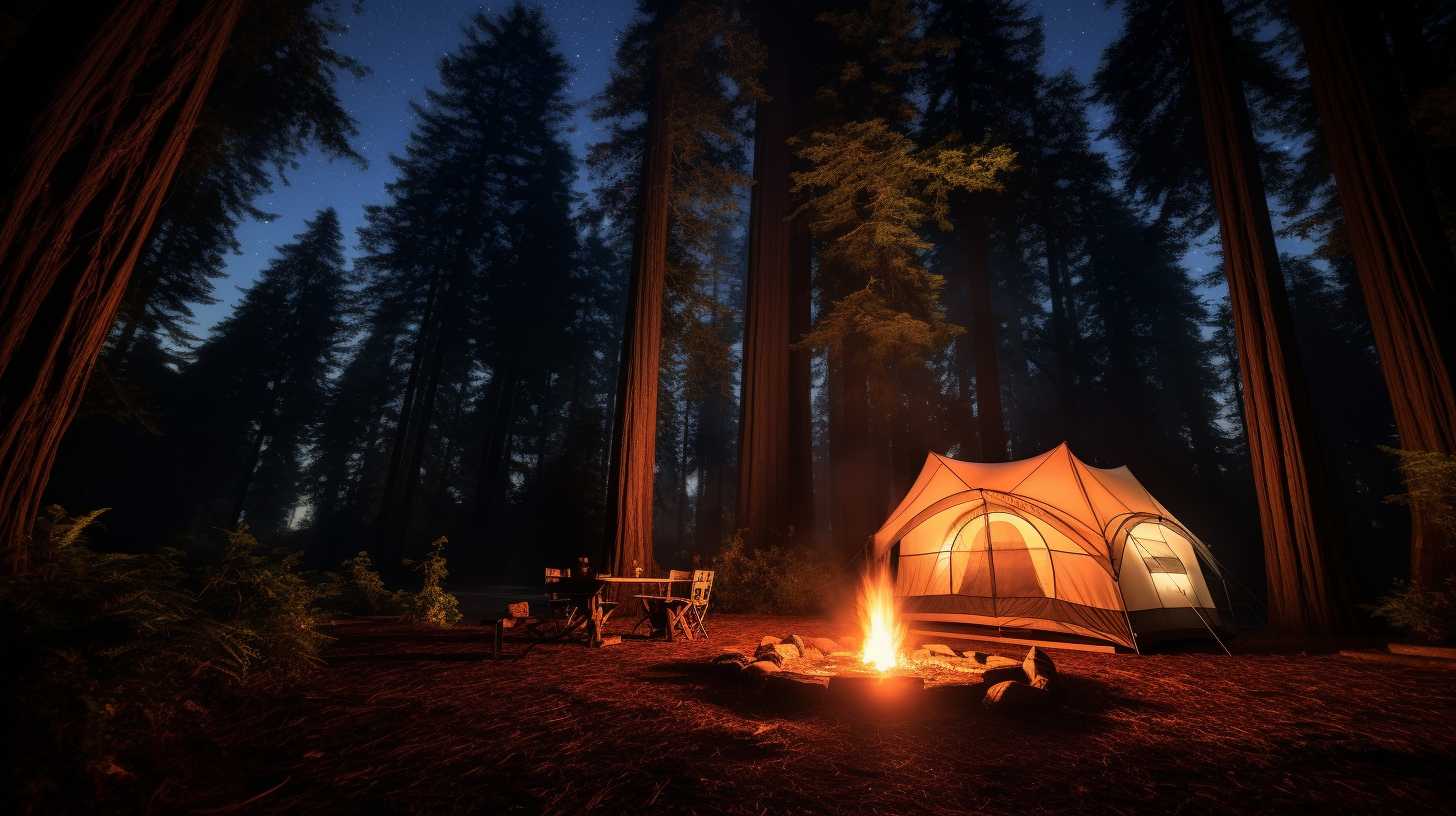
x: 801, y: 299
x: 764, y: 439
x: 425, y: 416
x: 389, y: 552
x: 494, y: 474
x: 684, y: 452
x: 974, y: 230
x: 1295, y: 511
x: 854, y: 480
x: 96, y: 137
x: 1059, y: 292
x: 1401, y: 255
x: 634, y: 438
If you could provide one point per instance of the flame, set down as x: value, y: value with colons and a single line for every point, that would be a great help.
x: 884, y: 634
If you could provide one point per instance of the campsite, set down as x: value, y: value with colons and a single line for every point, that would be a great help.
x: 728, y: 406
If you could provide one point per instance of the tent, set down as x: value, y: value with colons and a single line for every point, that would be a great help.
x: 1048, y: 547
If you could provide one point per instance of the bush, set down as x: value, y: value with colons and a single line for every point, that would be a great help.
x: 114, y: 660
x: 1430, y: 483
x: 266, y: 600
x: 361, y: 590
x: 432, y: 605
x: 772, y: 579
x: 1428, y: 615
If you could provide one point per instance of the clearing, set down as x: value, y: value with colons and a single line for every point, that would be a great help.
x: 411, y: 720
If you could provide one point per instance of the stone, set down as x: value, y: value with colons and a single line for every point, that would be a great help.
x: 825, y: 645
x: 1038, y: 665
x: 920, y: 654
x: 769, y: 640
x: 732, y: 661
x: 797, y: 641
x: 777, y: 652
x: 843, y: 653
x: 1013, y: 695
x: 1002, y: 674
x: 938, y: 649
x: 769, y: 653
x: 763, y: 668
x: 811, y: 653
x: 991, y: 661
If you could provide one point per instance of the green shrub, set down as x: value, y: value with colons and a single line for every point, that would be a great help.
x: 772, y: 579
x: 113, y: 660
x: 264, y: 597
x: 432, y: 605
x: 1428, y: 615
x: 1430, y: 483
x: 361, y: 590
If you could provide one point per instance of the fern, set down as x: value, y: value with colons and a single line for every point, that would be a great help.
x: 1426, y: 614
x: 432, y: 605
x: 363, y: 589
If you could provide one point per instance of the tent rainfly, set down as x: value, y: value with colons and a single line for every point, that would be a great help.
x: 1048, y: 544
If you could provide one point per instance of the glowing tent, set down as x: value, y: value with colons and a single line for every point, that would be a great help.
x: 1048, y: 547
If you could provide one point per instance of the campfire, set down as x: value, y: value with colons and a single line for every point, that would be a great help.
x: 884, y: 634
x: 881, y: 671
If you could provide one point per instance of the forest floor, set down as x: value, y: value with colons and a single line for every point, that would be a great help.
x: 410, y: 720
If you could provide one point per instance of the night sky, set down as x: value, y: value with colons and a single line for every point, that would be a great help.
x: 402, y: 42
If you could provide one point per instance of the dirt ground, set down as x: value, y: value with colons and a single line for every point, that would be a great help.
x: 411, y: 720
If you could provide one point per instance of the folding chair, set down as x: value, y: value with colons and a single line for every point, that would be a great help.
x: 562, y: 610
x: 697, y: 608
x: 666, y: 600
x: 608, y: 606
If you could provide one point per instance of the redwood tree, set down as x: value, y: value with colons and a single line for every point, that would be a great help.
x: 634, y: 437
x: 1401, y: 256
x: 102, y: 127
x: 1295, y: 511
x: 764, y: 450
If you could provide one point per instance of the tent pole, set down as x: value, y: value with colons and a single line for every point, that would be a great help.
x: 1117, y: 578
x: 1192, y: 602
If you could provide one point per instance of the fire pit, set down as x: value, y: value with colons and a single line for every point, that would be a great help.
x: 879, y: 673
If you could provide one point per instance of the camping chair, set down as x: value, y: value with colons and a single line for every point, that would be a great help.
x: 697, y: 608
x: 562, y: 611
x: 607, y: 606
x: 666, y: 600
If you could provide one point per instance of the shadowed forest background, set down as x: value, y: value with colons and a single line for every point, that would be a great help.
x: 1022, y: 286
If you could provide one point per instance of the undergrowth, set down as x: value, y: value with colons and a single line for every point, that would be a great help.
x: 360, y: 590
x: 771, y: 579
x: 1426, y: 614
x: 115, y: 662
x: 432, y: 605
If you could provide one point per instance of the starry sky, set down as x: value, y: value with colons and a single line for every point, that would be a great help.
x: 402, y: 42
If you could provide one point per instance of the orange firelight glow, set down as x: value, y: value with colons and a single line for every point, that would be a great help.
x: 884, y: 634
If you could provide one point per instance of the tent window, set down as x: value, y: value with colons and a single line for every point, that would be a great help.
x: 1165, y: 564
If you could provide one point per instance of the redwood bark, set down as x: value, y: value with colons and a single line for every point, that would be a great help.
x: 634, y: 448
x: 1295, y: 510
x: 854, y: 479
x: 1401, y: 256
x: 801, y: 297
x: 764, y: 435
x: 97, y: 138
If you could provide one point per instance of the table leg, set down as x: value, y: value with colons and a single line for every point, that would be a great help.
x: 594, y: 623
